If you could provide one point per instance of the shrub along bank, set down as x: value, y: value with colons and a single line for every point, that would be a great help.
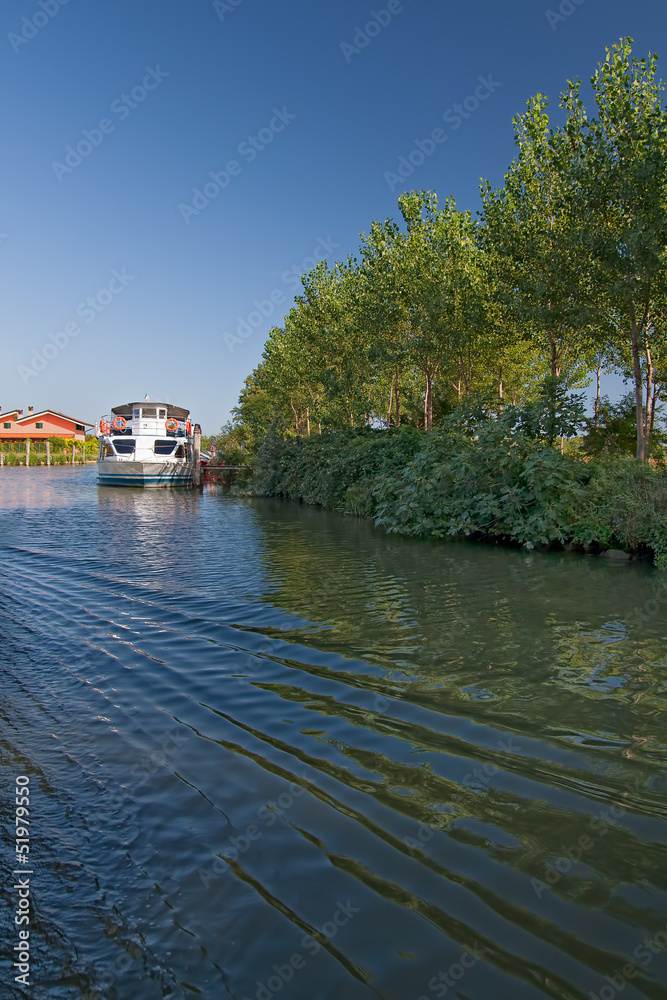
x: 476, y: 477
x: 60, y: 451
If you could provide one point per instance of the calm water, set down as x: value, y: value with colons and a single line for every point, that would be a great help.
x: 275, y: 752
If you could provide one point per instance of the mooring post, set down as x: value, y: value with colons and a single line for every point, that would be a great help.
x: 73, y: 447
x: 48, y: 453
x: 197, y: 455
x: 27, y: 452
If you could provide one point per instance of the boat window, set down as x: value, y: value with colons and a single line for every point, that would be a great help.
x: 180, y: 452
x: 106, y: 451
x: 135, y: 414
x: 149, y: 412
x: 162, y: 414
x: 124, y: 446
x: 164, y: 447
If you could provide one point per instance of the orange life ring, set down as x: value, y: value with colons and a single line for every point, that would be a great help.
x: 119, y: 423
x: 171, y: 424
x: 104, y: 427
x: 188, y: 428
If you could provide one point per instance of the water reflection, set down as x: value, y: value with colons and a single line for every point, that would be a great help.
x: 280, y: 752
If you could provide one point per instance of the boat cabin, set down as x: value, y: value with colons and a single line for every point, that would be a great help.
x: 148, y: 419
x: 145, y: 430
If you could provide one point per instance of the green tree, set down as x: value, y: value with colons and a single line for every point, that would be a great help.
x: 619, y: 162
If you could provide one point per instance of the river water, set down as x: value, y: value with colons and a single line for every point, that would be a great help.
x: 273, y: 751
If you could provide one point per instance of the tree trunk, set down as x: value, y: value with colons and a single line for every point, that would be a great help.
x: 648, y: 416
x: 554, y: 361
x: 596, y: 413
x: 637, y: 371
x: 397, y: 396
x: 428, y: 403
x: 391, y: 400
x: 308, y: 421
x: 654, y: 402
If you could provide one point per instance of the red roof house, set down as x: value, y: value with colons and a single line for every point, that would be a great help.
x: 14, y: 426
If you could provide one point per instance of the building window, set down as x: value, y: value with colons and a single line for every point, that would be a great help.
x: 78, y: 427
x: 39, y: 425
x: 7, y: 427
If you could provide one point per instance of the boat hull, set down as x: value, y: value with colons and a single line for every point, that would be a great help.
x: 149, y: 475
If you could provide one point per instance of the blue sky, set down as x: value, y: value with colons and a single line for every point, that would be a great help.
x: 117, y: 283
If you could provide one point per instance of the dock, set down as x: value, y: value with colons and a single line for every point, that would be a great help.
x: 226, y: 468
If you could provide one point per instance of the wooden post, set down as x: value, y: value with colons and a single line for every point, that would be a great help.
x: 73, y: 446
x: 27, y: 452
x: 48, y: 453
x: 2, y: 460
x: 197, y: 455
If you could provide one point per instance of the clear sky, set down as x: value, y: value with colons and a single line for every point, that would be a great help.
x: 119, y: 280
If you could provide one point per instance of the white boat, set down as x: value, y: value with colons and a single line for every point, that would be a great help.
x: 146, y: 444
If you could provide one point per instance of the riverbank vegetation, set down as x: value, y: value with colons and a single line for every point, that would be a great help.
x: 60, y: 451
x: 477, y: 477
x: 432, y: 381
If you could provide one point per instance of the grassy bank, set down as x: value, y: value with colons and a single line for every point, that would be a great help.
x: 483, y: 479
x: 13, y: 452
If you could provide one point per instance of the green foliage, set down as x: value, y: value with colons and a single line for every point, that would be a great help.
x: 477, y: 477
x: 625, y: 506
x: 555, y: 413
x: 13, y: 452
x: 484, y: 478
x: 612, y: 430
x: 338, y: 470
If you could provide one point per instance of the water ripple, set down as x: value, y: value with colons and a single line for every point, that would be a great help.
x: 274, y: 751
